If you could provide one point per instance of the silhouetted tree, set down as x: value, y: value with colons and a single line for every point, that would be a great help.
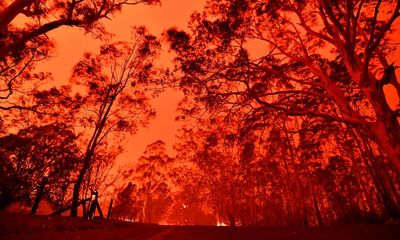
x: 112, y: 94
x: 33, y: 153
x: 151, y: 175
x: 127, y: 207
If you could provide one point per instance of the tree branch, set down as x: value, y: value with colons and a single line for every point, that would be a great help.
x: 10, y: 12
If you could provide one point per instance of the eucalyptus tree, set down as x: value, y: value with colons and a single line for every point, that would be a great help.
x: 111, y: 88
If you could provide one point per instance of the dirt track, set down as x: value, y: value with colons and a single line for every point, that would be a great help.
x: 17, y: 226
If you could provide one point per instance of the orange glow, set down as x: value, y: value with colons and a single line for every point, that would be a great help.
x: 287, y: 125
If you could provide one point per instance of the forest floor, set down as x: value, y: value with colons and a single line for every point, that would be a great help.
x: 19, y: 226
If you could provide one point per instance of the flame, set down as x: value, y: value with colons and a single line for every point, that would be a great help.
x: 221, y: 224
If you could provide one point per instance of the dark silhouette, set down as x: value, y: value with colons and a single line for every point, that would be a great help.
x: 39, y: 195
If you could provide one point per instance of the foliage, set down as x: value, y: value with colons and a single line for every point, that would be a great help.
x: 33, y: 153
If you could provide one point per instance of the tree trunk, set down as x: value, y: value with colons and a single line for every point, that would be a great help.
x: 144, y: 217
x: 320, y: 221
x: 39, y: 195
x: 110, y: 209
x: 94, y: 141
x: 77, y: 187
x: 387, y: 133
x: 386, y: 129
x: 10, y: 12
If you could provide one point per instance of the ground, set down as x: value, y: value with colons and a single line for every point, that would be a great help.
x: 19, y: 226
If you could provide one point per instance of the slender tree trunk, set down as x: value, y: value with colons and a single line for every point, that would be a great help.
x: 356, y: 169
x: 61, y: 202
x: 364, y: 156
x: 78, y: 183
x: 144, y: 217
x: 94, y: 141
x: 300, y: 201
x: 76, y: 191
x: 395, y: 193
x: 110, y: 209
x: 39, y: 195
x: 320, y: 221
x: 230, y: 208
x: 231, y: 218
x: 291, y: 199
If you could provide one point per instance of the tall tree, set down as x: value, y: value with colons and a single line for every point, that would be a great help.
x: 112, y: 94
x: 153, y: 186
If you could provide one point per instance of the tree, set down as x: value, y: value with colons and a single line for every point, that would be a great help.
x: 23, y: 41
x: 320, y: 62
x: 33, y: 153
x: 112, y: 94
x: 46, y: 16
x: 150, y: 173
x: 127, y: 207
x: 191, y: 204
x: 219, y: 169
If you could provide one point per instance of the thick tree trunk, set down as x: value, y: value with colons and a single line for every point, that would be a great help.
x: 10, y: 12
x: 386, y: 128
x: 18, y: 43
x: 387, y: 133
